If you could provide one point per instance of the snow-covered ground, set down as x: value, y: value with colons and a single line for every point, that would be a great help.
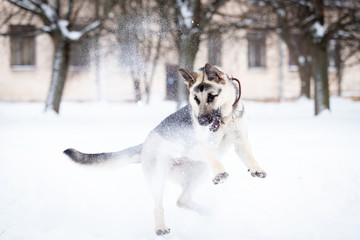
x: 312, y: 190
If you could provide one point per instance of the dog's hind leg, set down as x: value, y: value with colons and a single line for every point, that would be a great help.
x: 157, y: 184
x: 160, y: 227
x: 155, y: 163
x: 189, y: 174
x: 156, y: 178
x: 156, y: 174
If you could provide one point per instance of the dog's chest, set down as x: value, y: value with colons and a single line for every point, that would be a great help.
x: 215, y: 139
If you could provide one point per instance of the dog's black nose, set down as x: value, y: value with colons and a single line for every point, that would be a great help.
x: 205, y: 120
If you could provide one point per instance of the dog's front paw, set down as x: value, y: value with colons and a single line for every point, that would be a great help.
x: 220, y: 178
x: 162, y: 231
x: 257, y: 172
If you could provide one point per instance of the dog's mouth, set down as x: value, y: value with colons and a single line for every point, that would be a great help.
x: 215, y: 125
x: 213, y: 121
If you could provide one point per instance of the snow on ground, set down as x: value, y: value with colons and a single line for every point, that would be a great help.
x: 311, y: 192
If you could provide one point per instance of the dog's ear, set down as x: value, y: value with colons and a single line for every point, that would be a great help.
x: 189, y: 78
x: 213, y: 74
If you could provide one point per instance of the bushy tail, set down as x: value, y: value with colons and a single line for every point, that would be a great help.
x: 128, y: 155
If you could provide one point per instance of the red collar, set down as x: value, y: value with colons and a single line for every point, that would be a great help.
x: 238, y: 98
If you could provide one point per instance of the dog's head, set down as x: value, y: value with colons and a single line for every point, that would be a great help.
x: 210, y: 95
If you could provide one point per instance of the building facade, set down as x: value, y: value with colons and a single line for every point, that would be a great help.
x: 260, y: 61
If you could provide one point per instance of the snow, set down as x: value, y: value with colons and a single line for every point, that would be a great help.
x: 186, y: 12
x: 311, y: 191
x: 47, y: 29
x: 72, y: 35
x: 281, y: 12
x: 49, y: 12
x: 319, y: 29
x: 75, y: 35
x: 301, y: 60
x: 345, y: 34
x: 249, y: 21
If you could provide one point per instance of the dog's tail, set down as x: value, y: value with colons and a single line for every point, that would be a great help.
x: 128, y: 155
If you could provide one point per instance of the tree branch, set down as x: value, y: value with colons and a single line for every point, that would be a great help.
x: 57, y: 7
x: 10, y: 15
x: 70, y: 9
x: 89, y: 28
x: 26, y: 5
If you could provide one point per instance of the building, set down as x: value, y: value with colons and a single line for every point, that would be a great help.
x: 261, y: 62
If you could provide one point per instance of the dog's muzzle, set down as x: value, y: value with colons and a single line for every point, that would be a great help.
x: 213, y: 119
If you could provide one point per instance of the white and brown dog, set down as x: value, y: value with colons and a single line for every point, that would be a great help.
x: 185, y: 143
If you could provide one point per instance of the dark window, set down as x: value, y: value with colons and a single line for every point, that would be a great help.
x: 22, y: 45
x: 296, y: 47
x: 172, y: 77
x: 80, y: 53
x: 292, y: 62
x: 214, y: 49
x: 256, y: 50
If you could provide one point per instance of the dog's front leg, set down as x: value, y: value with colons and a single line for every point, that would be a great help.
x: 242, y: 148
x: 216, y: 166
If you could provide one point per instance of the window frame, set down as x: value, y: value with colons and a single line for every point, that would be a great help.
x: 22, y: 47
x: 80, y: 58
x: 256, y: 50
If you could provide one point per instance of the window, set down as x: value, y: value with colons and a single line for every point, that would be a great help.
x: 22, y: 45
x: 297, y: 41
x: 171, y: 81
x: 80, y: 54
x: 256, y: 50
x: 214, y: 49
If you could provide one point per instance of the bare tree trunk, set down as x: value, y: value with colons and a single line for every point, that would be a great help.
x: 339, y: 74
x: 147, y: 88
x: 339, y: 64
x: 305, y: 67
x: 97, y: 65
x: 97, y: 54
x: 148, y: 83
x: 320, y: 75
x: 318, y: 50
x: 298, y: 51
x: 59, y: 73
x: 136, y: 81
x: 305, y: 80
x: 187, y: 48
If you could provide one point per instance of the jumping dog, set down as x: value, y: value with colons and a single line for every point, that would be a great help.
x: 190, y: 140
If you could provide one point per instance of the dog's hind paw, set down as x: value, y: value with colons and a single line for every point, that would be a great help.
x: 258, y: 173
x: 220, y: 178
x: 162, y: 231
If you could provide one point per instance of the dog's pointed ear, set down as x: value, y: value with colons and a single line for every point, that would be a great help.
x: 213, y: 74
x: 189, y: 78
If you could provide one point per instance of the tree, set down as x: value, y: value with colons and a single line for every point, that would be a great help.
x: 314, y: 23
x: 59, y: 20
x: 138, y: 30
x: 187, y: 21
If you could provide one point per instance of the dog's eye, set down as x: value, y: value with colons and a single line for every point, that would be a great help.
x: 197, y: 100
x: 211, y: 98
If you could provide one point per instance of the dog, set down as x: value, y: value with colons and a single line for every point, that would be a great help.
x: 190, y: 140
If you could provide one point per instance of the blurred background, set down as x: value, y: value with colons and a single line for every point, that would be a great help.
x: 103, y: 61
x: 130, y: 50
